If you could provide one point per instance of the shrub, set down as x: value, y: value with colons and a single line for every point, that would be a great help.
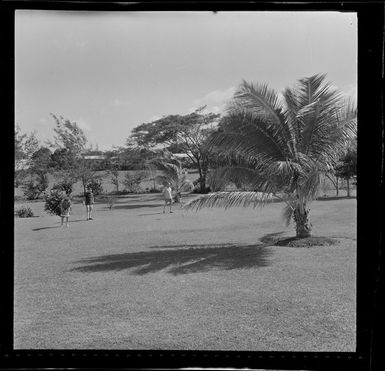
x: 117, y: 193
x: 132, y: 181
x: 35, y: 187
x: 197, y: 187
x: 52, y: 202
x: 24, y: 212
x: 154, y: 190
x: 111, y: 201
x: 96, y: 186
x: 64, y: 186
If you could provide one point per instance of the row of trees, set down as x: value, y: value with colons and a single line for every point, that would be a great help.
x: 185, y: 134
x: 33, y: 162
x: 268, y: 145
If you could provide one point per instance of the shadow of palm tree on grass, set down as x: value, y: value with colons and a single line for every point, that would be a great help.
x: 279, y: 239
x: 181, y: 259
x: 271, y: 238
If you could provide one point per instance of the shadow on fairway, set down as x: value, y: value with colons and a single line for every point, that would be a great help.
x: 335, y: 198
x: 58, y: 226
x: 160, y: 213
x: 181, y: 260
x: 39, y: 229
x: 271, y: 238
x: 137, y: 206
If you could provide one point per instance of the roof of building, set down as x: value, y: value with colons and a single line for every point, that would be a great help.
x: 95, y: 157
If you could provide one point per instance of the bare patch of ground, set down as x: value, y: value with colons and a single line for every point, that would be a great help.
x: 276, y: 239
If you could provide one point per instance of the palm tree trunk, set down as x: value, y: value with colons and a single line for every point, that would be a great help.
x: 302, y: 223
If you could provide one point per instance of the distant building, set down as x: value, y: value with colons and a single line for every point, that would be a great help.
x: 95, y: 159
x: 181, y: 155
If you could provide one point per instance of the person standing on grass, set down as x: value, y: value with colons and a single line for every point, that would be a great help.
x: 65, y: 208
x: 167, y: 194
x: 89, y: 202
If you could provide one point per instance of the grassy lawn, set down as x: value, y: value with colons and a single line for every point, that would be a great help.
x: 135, y: 278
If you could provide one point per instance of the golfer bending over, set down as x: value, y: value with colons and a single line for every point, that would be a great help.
x: 167, y: 197
x: 89, y: 202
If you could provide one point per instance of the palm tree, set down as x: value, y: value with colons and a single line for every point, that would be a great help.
x: 173, y: 173
x: 282, y: 143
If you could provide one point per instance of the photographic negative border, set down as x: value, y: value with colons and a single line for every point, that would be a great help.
x: 370, y: 206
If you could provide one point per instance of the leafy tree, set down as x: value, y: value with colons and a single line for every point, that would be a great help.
x: 173, y: 173
x: 188, y: 133
x: 335, y: 180
x: 69, y: 135
x: 36, y: 185
x: 70, y: 143
x: 53, y: 200
x: 113, y: 172
x: 65, y: 185
x: 63, y: 159
x: 25, y: 146
x: 96, y: 186
x: 134, y: 157
x: 346, y: 168
x: 41, y: 159
x: 287, y: 143
x: 132, y: 181
x: 86, y: 172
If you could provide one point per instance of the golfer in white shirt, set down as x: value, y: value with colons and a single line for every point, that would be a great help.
x: 167, y: 194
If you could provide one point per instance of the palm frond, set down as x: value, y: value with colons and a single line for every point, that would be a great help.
x: 287, y: 214
x: 315, y: 88
x: 333, y: 131
x: 259, y: 105
x: 186, y: 186
x: 170, y: 169
x: 309, y: 185
x: 229, y: 199
x: 319, y: 122
x: 238, y: 175
x: 161, y: 180
x: 260, y: 100
x: 249, y: 140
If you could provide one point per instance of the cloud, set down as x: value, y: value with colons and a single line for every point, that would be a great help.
x: 351, y: 92
x: 81, y: 44
x: 118, y: 102
x: 154, y: 118
x: 83, y: 124
x: 215, y: 101
x: 43, y: 121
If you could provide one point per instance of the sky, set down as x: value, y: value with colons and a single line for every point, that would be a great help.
x: 112, y: 71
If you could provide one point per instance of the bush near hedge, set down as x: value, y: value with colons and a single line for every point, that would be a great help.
x: 53, y: 200
x: 24, y: 212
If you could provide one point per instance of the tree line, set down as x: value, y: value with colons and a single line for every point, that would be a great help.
x: 267, y: 145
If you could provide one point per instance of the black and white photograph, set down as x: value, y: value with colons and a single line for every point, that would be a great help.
x: 185, y: 180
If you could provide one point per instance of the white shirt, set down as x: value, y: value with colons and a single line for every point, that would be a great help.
x: 167, y: 193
